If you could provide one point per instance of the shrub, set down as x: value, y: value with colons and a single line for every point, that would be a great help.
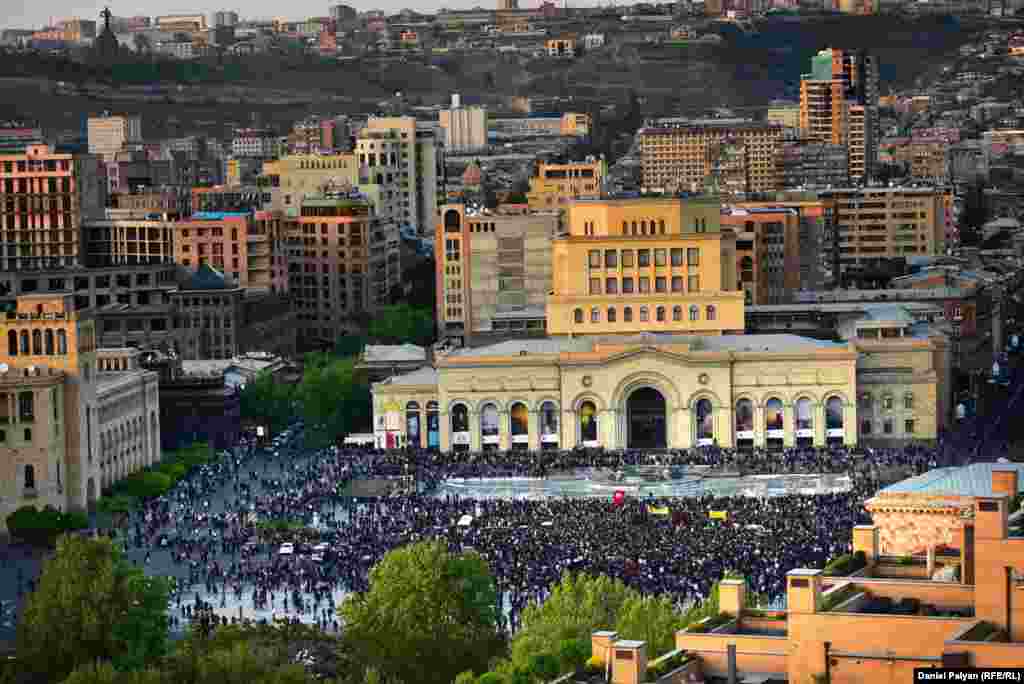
x: 490, y: 678
x: 544, y: 667
x: 43, y: 527
x: 572, y: 654
x: 117, y: 503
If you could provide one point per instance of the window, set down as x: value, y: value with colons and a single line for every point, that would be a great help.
x: 659, y: 257
x: 908, y: 401
x: 887, y: 426
x: 595, y: 258
x: 643, y: 258
x: 62, y: 342
x: 627, y: 258
x: 660, y: 284
x: 677, y: 257
x: 625, y: 228
x: 633, y: 228
x: 30, y: 475
x: 595, y: 286
x: 865, y: 402
x: 627, y: 285
x: 677, y: 313
x: 908, y: 426
x: 693, y: 283
x: 659, y: 314
x: 645, y: 284
x: 611, y: 314
x: 611, y: 286
x: 661, y: 226
x: 26, y: 407
x: 677, y: 283
x: 694, y: 313
x: 24, y: 342
x: 28, y: 434
x: 611, y: 258
x: 693, y: 256
x: 887, y: 402
x: 865, y: 427
x: 710, y: 313
x: 49, y: 342
x: 627, y: 314
x: 643, y: 314
x: 12, y: 343
x: 37, y: 342
x: 595, y: 315
x: 577, y: 316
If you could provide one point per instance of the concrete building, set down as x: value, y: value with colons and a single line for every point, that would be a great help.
x: 343, y: 264
x: 787, y: 115
x: 69, y: 430
x: 496, y: 280
x: 46, y: 195
x: 249, y: 246
x: 554, y: 185
x: 109, y: 134
x: 253, y: 142
x: 562, y: 47
x: 767, y: 252
x: 225, y: 19
x: 875, y: 224
x: 465, y: 128
x: 181, y: 23
x: 422, y: 178
x: 128, y: 237
x: 812, y: 164
x: 679, y: 155
x: 629, y: 266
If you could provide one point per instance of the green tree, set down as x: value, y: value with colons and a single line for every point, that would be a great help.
x: 335, y: 398
x: 427, y: 616
x: 266, y: 401
x: 401, y: 323
x: 90, y: 605
x: 652, y: 619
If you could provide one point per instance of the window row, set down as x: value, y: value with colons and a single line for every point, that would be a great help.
x: 642, y: 285
x: 612, y: 258
x: 38, y: 343
x: 644, y: 227
x: 660, y: 313
x: 867, y: 402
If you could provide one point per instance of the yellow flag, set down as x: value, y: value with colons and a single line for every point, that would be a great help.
x: 718, y: 515
x: 654, y: 510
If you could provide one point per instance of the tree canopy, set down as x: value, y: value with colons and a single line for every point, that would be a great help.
x: 91, y: 605
x: 267, y: 401
x: 427, y: 616
x: 401, y: 323
x: 335, y: 398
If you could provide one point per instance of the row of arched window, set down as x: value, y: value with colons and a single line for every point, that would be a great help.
x: 38, y: 343
x: 644, y: 227
x: 660, y: 314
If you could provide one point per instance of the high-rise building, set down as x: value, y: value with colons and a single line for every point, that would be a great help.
x: 465, y: 128
x: 44, y: 197
x: 343, y: 263
x: 496, y: 282
x: 644, y: 265
x: 225, y: 19
x: 839, y: 105
x: 767, y: 252
x: 680, y: 155
x: 421, y: 179
x: 110, y: 133
x: 812, y: 164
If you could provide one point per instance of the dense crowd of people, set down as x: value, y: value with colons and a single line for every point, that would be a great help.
x: 209, y: 523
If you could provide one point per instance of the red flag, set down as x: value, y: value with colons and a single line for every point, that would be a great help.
x: 619, y: 497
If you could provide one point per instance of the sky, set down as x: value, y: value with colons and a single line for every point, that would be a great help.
x: 28, y: 14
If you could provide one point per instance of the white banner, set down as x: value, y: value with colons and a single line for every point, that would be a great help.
x: 744, y: 434
x: 549, y: 439
x: 591, y: 444
x: 705, y: 441
x: 835, y: 432
x: 775, y: 434
x: 460, y: 438
x: 520, y: 439
x: 805, y: 432
x: 490, y: 439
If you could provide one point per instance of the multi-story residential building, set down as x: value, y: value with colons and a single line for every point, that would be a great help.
x: 253, y: 142
x: 811, y: 164
x: 181, y: 23
x: 313, y: 136
x: 875, y: 224
x: 421, y: 164
x: 576, y: 124
x: 496, y: 282
x: 929, y: 161
x: 291, y: 177
x: 225, y: 18
x: 626, y: 266
x: 248, y: 246
x: 343, y: 264
x: 231, y: 198
x: 767, y: 252
x: 465, y: 128
x: 561, y: 47
x: 173, y: 202
x: 680, y: 155
x: 554, y: 185
x: 839, y: 105
x: 44, y: 197
x: 784, y: 114
x: 814, y: 228
x: 110, y: 133
x: 128, y: 237
x: 68, y: 430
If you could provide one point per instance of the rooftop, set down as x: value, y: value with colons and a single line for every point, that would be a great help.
x: 421, y: 376
x: 971, y: 480
x: 393, y: 353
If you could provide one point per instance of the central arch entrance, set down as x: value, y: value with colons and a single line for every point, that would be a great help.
x: 645, y: 419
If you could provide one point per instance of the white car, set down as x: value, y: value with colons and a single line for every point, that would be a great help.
x: 287, y: 549
x: 317, y: 558
x: 320, y: 548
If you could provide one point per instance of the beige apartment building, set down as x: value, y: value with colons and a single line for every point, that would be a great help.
x: 681, y: 155
x: 109, y: 134
x: 557, y: 184
x: 465, y: 128
x: 787, y: 115
x: 873, y: 224
x: 128, y: 237
x: 495, y: 273
x: 421, y: 163
x: 247, y: 246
